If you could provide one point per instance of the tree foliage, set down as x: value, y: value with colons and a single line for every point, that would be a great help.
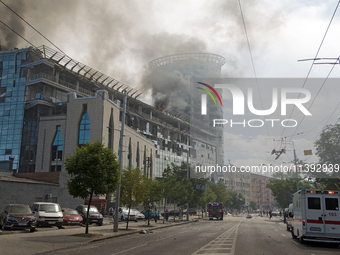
x: 328, y: 151
x: 93, y: 169
x: 284, y: 185
x: 152, y: 192
x: 253, y: 205
x: 132, y: 189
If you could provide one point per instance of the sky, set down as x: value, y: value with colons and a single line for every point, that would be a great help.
x: 119, y: 38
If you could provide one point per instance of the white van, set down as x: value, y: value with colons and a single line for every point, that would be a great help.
x: 48, y: 214
x: 316, y: 216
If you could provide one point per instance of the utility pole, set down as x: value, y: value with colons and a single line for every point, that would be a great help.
x: 188, y: 174
x: 278, y: 154
x: 120, y: 152
x: 296, y: 168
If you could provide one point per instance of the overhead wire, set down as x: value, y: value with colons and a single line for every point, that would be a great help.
x: 251, y: 58
x: 16, y: 33
x: 316, y: 55
x: 32, y: 27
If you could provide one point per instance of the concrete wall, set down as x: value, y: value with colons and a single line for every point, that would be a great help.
x: 21, y: 191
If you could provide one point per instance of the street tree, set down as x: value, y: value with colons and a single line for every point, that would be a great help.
x: 152, y: 192
x: 328, y: 151
x: 131, y: 191
x: 93, y: 169
x: 253, y: 205
x: 175, y: 186
x: 284, y: 185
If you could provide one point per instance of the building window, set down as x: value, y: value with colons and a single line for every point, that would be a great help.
x: 57, y: 152
x: 109, y: 137
x: 84, y: 127
x: 137, y: 155
x: 144, y: 161
x: 129, y: 155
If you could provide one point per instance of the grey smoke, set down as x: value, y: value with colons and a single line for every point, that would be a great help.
x: 118, y: 38
x: 8, y: 39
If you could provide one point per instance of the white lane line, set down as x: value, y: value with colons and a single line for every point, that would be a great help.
x: 295, y: 243
x: 234, y: 243
x: 148, y: 243
x: 225, y: 237
x: 283, y: 234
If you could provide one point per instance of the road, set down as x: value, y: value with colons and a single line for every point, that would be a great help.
x: 234, y: 235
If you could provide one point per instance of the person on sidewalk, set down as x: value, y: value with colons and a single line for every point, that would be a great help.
x: 270, y: 214
x: 180, y: 213
x: 166, y: 214
x: 111, y: 212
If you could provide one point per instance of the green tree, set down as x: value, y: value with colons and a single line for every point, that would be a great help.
x: 93, y: 169
x: 328, y: 151
x: 131, y: 191
x: 152, y: 192
x: 175, y: 186
x: 284, y: 185
x: 253, y: 205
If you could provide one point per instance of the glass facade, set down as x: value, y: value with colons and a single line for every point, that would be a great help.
x: 12, y: 93
x: 57, y: 152
x: 84, y: 128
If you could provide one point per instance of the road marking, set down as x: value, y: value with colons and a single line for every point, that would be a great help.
x: 176, y: 234
x: 223, y: 244
x: 295, y: 243
x: 283, y: 234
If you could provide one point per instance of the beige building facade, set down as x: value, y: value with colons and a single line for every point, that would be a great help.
x: 104, y: 125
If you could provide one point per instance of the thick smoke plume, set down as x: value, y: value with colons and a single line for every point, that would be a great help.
x: 8, y: 39
x: 119, y: 38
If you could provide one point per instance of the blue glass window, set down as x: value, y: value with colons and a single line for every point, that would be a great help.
x: 84, y: 129
x: 57, y: 151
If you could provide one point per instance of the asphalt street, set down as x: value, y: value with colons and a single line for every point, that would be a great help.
x: 233, y: 235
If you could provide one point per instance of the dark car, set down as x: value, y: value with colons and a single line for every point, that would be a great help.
x: 17, y: 216
x: 94, y: 215
x: 172, y: 213
x: 191, y: 212
x: 71, y: 217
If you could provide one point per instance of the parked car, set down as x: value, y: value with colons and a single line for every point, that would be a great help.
x: 172, y: 213
x: 138, y: 214
x: 17, y: 216
x: 123, y: 214
x: 48, y: 214
x: 191, y: 212
x: 71, y: 217
x: 94, y: 215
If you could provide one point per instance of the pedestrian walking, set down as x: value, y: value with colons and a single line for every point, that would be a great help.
x: 111, y: 212
x: 280, y: 214
x: 270, y: 214
x: 166, y: 214
x: 180, y: 213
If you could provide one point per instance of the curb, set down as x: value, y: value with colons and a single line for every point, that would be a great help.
x: 111, y: 237
x: 136, y: 232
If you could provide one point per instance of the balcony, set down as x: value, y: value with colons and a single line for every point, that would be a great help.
x: 50, y: 79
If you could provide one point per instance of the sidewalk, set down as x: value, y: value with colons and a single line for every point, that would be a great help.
x: 50, y: 239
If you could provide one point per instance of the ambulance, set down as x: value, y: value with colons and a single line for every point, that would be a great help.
x: 215, y: 210
x: 316, y: 216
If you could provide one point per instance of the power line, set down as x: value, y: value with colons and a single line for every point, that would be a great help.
x: 16, y: 32
x: 323, y: 84
x: 251, y: 57
x: 32, y: 27
x: 316, y: 55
